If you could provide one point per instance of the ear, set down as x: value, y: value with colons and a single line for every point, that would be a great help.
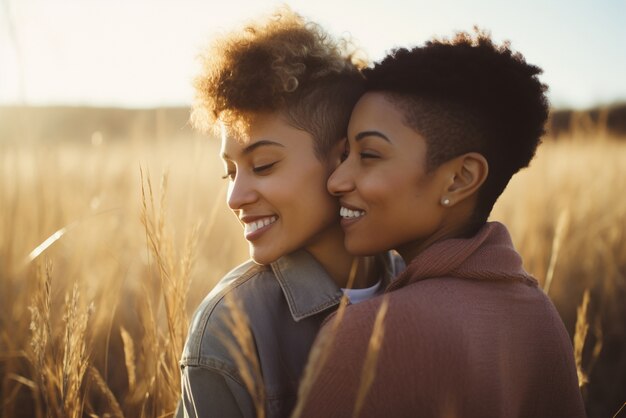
x: 467, y: 173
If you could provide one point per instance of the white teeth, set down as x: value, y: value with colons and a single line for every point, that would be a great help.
x: 253, y: 226
x: 350, y: 214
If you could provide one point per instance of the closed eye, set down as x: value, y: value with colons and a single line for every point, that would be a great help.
x: 365, y: 155
x: 262, y: 168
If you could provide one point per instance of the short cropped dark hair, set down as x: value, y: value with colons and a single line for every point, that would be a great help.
x: 285, y: 64
x: 468, y: 95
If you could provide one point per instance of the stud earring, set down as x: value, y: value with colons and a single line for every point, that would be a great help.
x: 445, y: 201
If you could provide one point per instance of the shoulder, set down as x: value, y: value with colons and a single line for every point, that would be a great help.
x: 430, y: 303
x: 212, y: 321
x: 237, y: 283
x: 447, y: 307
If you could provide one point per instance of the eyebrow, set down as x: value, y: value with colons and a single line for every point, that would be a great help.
x: 363, y: 134
x: 250, y: 148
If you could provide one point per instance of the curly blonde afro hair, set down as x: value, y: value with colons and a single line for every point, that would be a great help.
x: 279, y: 64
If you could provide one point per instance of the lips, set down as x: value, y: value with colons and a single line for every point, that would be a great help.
x: 254, y: 226
x: 347, y: 213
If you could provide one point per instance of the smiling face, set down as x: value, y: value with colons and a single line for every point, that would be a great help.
x: 389, y: 200
x: 277, y: 189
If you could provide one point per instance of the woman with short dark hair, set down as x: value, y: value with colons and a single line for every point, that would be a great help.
x: 467, y: 332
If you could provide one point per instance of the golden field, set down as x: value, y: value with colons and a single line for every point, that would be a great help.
x: 110, y: 236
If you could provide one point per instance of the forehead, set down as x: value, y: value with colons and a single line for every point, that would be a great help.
x: 241, y: 132
x: 250, y: 126
x: 380, y: 113
x: 264, y: 127
x: 375, y: 109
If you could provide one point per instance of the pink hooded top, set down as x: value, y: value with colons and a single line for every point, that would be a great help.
x: 467, y: 333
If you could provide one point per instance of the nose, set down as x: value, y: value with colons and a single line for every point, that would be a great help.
x: 241, y: 192
x: 340, y: 181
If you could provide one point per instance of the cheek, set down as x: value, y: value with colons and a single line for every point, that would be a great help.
x: 315, y: 193
x: 316, y: 177
x: 306, y: 188
x: 396, y: 205
x: 319, y: 202
x: 382, y: 190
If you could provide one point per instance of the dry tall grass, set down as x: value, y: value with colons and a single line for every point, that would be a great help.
x: 320, y: 351
x: 569, y: 206
x: 368, y: 374
x: 96, y: 288
x: 244, y: 353
x: 81, y: 206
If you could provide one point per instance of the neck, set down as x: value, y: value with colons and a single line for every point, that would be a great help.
x: 342, y: 266
x: 458, y: 227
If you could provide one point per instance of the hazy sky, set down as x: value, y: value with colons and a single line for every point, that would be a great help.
x: 143, y: 53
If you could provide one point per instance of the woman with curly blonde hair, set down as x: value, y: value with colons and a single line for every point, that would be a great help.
x: 280, y: 93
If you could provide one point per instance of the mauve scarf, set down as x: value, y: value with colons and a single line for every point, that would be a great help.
x: 488, y: 255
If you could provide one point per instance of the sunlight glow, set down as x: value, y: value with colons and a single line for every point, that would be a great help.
x: 143, y: 53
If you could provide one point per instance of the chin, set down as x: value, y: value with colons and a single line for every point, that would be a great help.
x: 356, y: 247
x: 261, y: 257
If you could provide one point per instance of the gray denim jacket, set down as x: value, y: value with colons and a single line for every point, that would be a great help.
x: 285, y: 304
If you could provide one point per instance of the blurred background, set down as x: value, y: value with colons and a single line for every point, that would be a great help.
x: 113, y: 224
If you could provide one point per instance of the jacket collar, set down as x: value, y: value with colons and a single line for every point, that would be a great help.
x: 307, y: 286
